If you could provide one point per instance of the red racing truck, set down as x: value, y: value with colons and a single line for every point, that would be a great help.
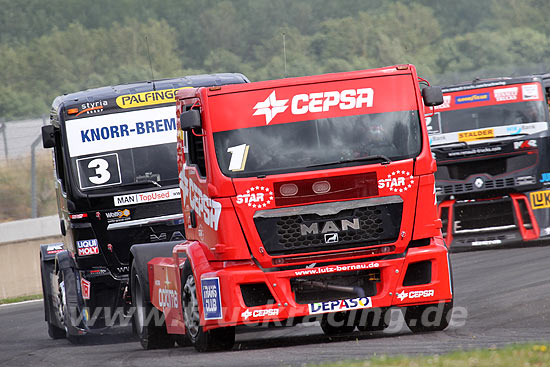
x: 304, y: 199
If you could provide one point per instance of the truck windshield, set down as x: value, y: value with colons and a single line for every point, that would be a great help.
x: 318, y: 144
x: 121, y: 149
x: 492, y: 116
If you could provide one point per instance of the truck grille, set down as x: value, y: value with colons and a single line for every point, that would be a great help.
x: 330, y: 226
x: 488, y: 184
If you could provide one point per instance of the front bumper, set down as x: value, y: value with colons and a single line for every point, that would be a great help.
x: 399, y: 284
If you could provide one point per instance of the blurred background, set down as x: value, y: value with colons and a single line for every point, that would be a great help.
x: 48, y: 48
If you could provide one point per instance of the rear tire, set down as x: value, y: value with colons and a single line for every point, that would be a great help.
x: 433, y: 317
x: 148, y: 321
x: 204, y: 341
x: 46, y: 271
x: 337, y: 323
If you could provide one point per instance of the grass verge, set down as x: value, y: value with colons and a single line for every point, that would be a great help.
x: 525, y: 355
x: 20, y: 299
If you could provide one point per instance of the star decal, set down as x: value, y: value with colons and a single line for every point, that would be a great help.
x: 270, y: 107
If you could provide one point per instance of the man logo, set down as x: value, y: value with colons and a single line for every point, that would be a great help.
x: 331, y: 237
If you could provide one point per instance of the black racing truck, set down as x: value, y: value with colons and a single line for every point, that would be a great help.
x: 116, y: 179
x: 491, y: 141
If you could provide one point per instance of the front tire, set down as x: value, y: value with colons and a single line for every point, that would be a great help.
x: 203, y: 341
x: 337, y: 323
x: 424, y: 318
x: 148, y: 321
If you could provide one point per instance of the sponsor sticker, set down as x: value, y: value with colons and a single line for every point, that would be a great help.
x: 530, y: 91
x: 336, y: 268
x: 397, y: 181
x: 118, y: 215
x: 476, y: 135
x: 211, y: 298
x: 540, y: 199
x: 85, y: 288
x: 54, y: 248
x: 147, y: 98
x: 259, y: 313
x: 470, y: 98
x: 206, y: 208
x: 506, y: 94
x: 256, y: 197
x: 301, y: 104
x: 486, y: 242
x: 415, y: 294
x: 340, y: 305
x: 87, y: 247
x: 90, y: 108
x: 147, y: 197
x: 545, y: 177
x: 525, y: 144
x: 446, y: 103
x: 132, y: 129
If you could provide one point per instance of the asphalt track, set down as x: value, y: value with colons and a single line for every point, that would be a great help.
x: 505, y: 293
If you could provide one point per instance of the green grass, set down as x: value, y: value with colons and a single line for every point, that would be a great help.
x: 20, y: 299
x: 524, y: 355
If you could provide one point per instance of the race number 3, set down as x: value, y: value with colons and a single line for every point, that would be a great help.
x: 98, y: 171
x: 239, y: 153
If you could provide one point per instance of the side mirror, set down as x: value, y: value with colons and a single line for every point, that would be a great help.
x: 190, y: 120
x: 48, y: 136
x: 432, y: 96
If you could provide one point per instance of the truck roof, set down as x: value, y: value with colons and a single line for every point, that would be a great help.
x: 286, y: 82
x: 113, y: 91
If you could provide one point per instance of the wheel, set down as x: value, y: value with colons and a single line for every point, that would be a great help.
x: 148, y: 321
x: 337, y: 323
x: 203, y: 341
x: 66, y: 315
x: 433, y: 317
x: 374, y: 319
x: 46, y: 270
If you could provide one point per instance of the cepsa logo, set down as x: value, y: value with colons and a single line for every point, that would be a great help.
x: 315, y: 102
x: 147, y: 98
x: 206, y: 208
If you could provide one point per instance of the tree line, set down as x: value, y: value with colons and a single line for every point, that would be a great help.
x: 52, y: 47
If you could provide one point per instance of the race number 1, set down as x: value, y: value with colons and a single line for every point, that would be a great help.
x: 239, y: 154
x: 98, y: 171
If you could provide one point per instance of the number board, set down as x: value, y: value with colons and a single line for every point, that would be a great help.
x: 98, y: 171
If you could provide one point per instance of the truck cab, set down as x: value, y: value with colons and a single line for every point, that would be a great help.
x: 490, y: 139
x: 304, y: 199
x: 116, y: 180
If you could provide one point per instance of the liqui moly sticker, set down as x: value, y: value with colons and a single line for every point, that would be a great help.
x: 340, y: 305
x: 85, y: 288
x: 397, y: 181
x: 87, y: 247
x: 256, y: 197
x: 147, y: 197
x: 506, y: 94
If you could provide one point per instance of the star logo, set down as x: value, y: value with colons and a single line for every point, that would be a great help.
x: 246, y: 314
x: 402, y: 295
x: 270, y: 107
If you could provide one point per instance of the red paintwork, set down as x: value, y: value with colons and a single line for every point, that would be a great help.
x: 225, y: 241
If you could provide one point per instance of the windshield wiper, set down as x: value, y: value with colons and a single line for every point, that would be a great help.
x: 143, y: 182
x: 382, y: 158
